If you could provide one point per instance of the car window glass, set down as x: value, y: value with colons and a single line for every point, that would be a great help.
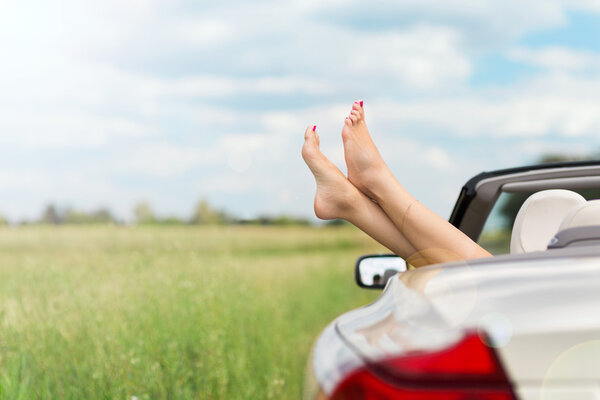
x: 495, y: 236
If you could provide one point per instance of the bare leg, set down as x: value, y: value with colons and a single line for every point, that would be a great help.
x: 336, y: 197
x: 434, y: 238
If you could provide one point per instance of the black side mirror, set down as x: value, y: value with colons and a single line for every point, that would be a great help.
x: 374, y: 270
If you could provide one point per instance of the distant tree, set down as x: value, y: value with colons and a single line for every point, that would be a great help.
x: 205, y: 214
x: 513, y: 203
x: 143, y: 213
x: 3, y: 221
x: 100, y: 216
x: 287, y: 220
x: 279, y: 220
x: 170, y: 220
x: 51, y: 216
x: 558, y: 157
x: 104, y: 216
x: 336, y: 222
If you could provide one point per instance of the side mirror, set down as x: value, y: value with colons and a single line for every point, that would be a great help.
x: 374, y: 270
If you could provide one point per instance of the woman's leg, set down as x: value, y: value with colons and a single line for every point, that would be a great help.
x: 433, y: 237
x: 336, y: 197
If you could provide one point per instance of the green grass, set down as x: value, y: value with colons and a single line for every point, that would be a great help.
x: 169, y: 312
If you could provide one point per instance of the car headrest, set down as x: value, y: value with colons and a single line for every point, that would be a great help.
x: 540, y: 217
x: 582, y: 215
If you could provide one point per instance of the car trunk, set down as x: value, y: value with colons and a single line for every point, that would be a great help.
x: 542, y: 316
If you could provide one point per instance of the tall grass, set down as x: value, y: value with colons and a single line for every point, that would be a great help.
x: 169, y: 312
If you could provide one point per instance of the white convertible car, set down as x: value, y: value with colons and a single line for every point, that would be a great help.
x: 524, y: 325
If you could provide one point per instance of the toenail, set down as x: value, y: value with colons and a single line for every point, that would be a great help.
x: 314, y: 127
x: 361, y: 103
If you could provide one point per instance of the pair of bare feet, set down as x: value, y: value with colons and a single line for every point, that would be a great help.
x: 374, y: 201
x: 337, y: 195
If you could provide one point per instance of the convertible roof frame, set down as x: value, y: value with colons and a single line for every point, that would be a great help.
x: 479, y: 195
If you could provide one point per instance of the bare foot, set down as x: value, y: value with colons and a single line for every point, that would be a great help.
x: 363, y: 160
x: 335, y: 196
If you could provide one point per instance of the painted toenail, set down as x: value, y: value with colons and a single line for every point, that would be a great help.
x: 314, y: 127
x: 361, y: 103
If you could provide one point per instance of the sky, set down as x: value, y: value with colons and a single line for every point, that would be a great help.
x: 109, y: 103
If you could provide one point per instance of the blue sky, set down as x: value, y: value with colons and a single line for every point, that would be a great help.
x: 115, y: 102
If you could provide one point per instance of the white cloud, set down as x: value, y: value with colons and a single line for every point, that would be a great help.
x: 215, y: 86
x: 232, y: 184
x: 487, y: 21
x: 552, y: 104
x: 535, y: 147
x: 66, y: 129
x: 23, y: 179
x: 230, y: 152
x: 421, y: 57
x: 205, y: 33
x: 586, y: 5
x: 163, y: 160
x: 438, y: 158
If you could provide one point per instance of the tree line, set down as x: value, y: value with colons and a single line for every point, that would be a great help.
x: 205, y: 214
x: 202, y: 214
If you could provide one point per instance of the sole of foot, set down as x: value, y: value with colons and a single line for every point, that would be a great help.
x: 335, y: 195
x: 363, y: 160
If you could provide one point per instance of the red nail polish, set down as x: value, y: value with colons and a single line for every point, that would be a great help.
x: 361, y: 103
x: 314, y: 127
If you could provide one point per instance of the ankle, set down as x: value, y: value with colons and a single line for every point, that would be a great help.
x: 386, y: 186
x: 376, y: 181
x: 347, y: 204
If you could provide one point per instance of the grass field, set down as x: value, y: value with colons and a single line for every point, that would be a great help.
x: 169, y: 312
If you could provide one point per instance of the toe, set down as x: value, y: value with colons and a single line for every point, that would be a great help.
x: 358, y: 108
x: 354, y: 118
x: 310, y: 131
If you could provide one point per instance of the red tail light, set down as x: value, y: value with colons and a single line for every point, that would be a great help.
x: 466, y: 371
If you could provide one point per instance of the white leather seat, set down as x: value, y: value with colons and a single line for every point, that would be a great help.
x: 582, y: 215
x: 540, y: 217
